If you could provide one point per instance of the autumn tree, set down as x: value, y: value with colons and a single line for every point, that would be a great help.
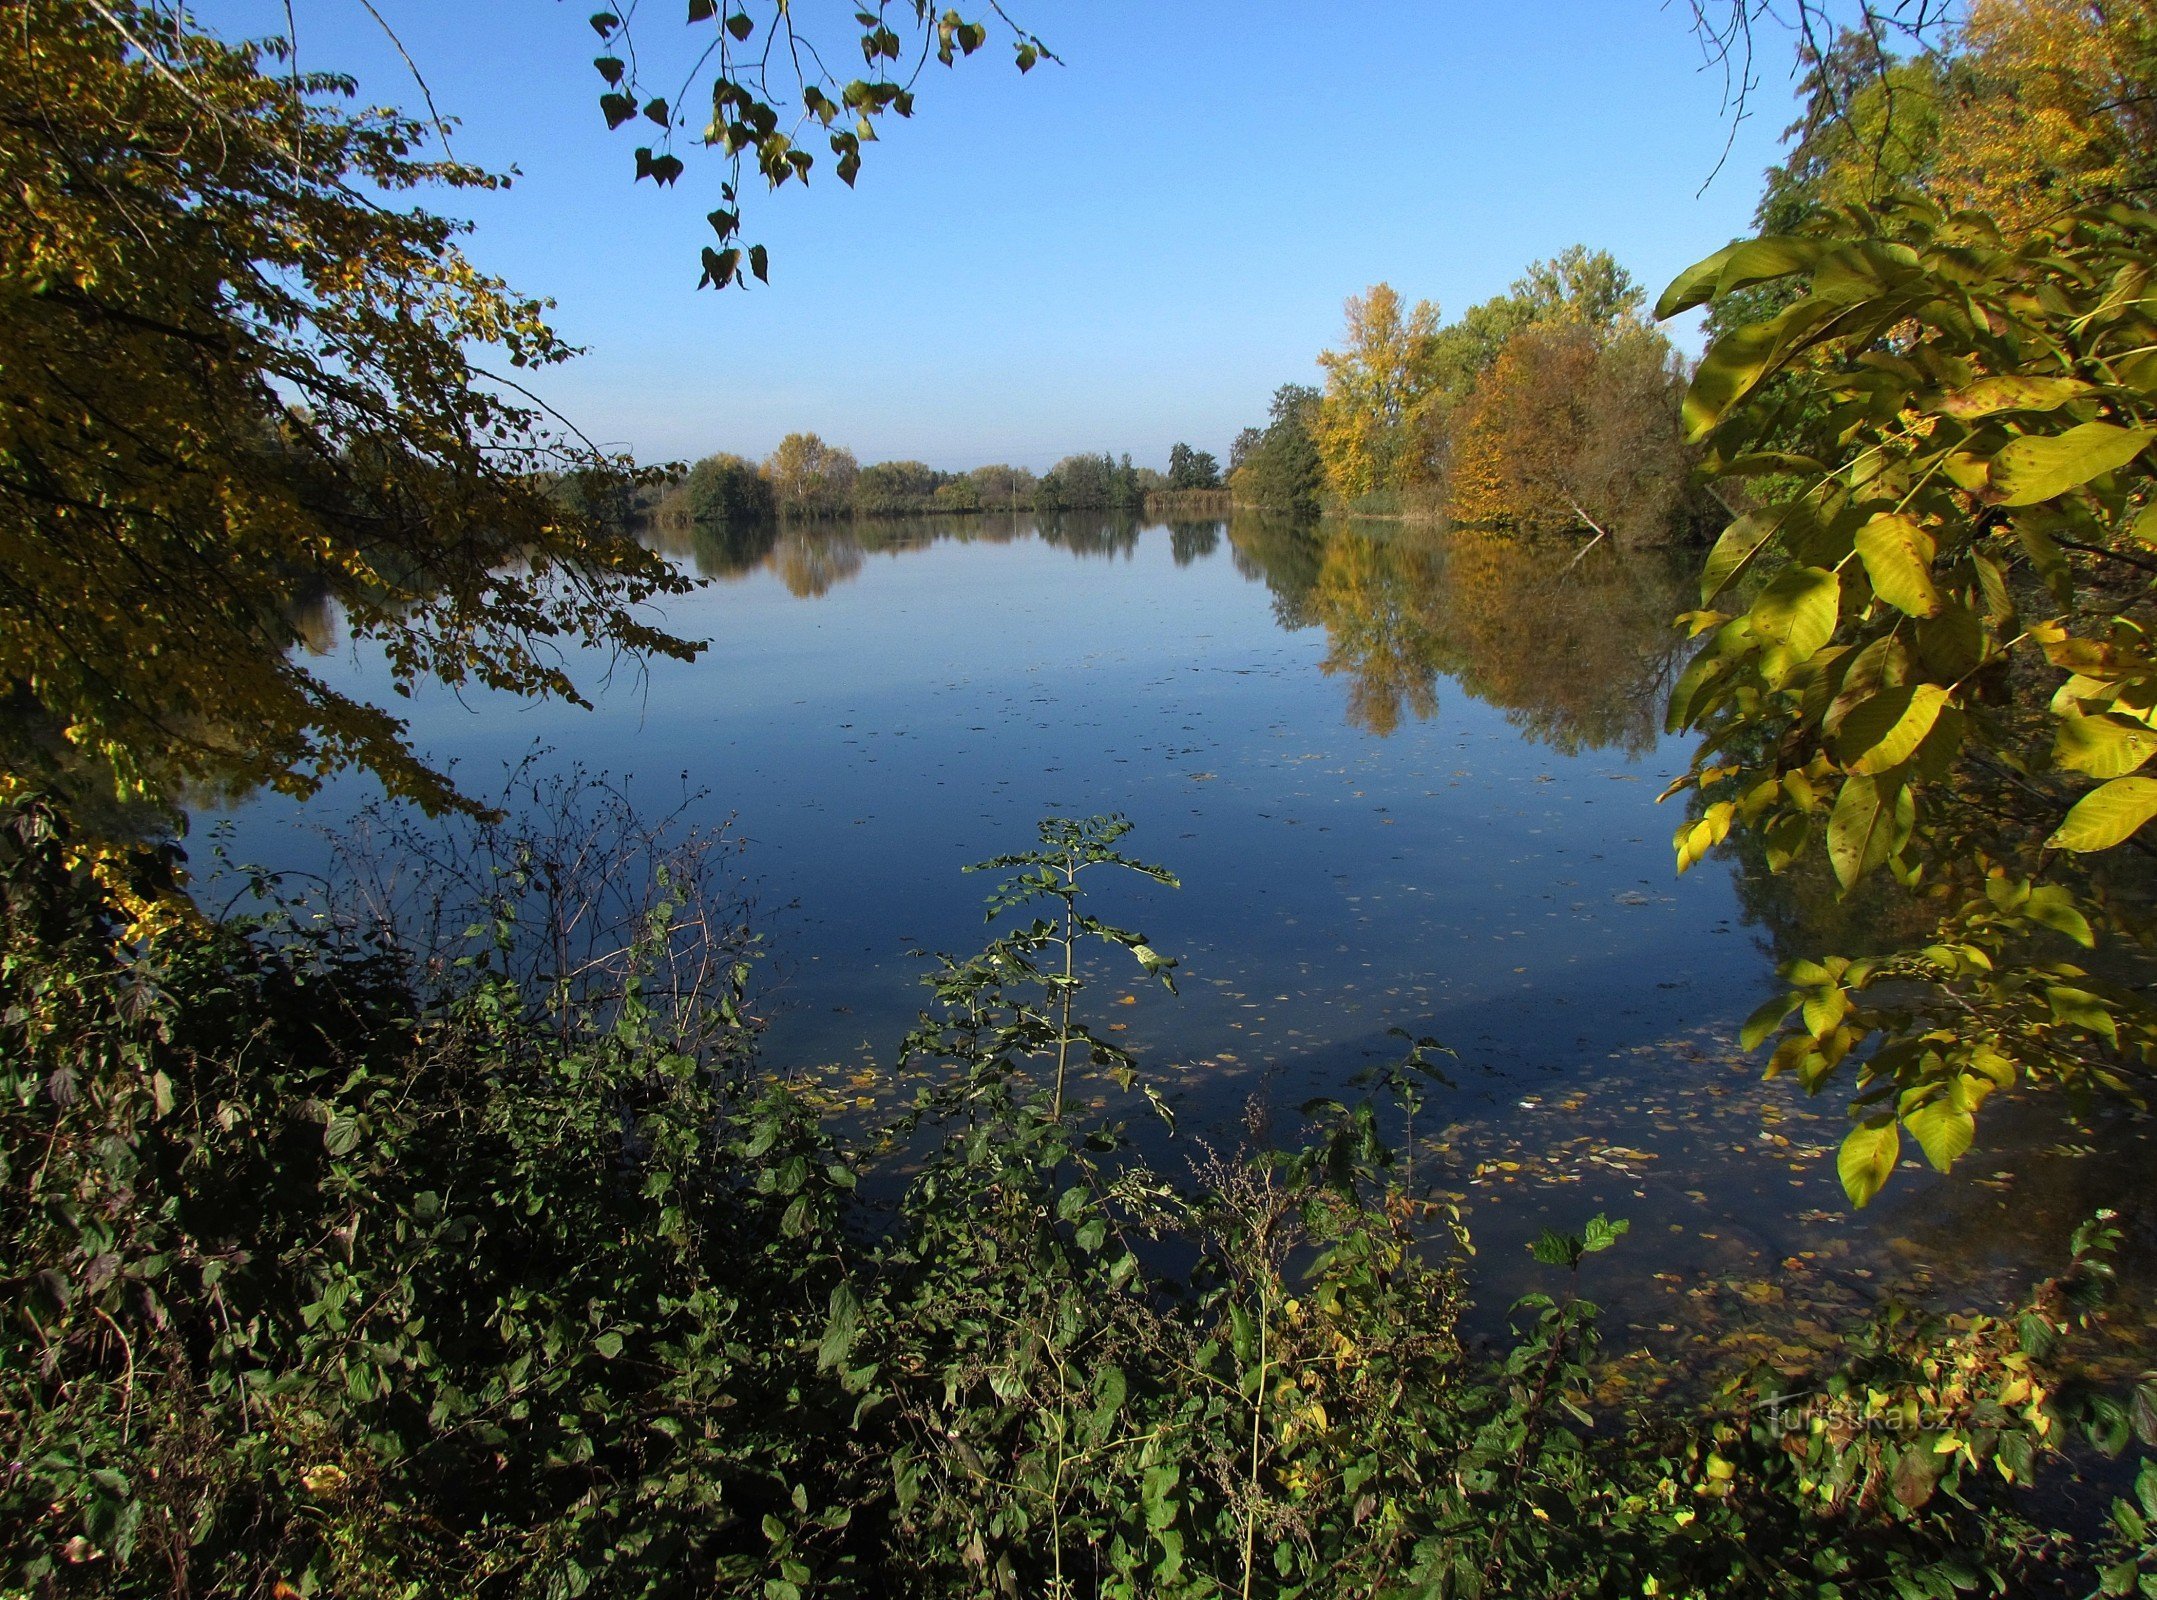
x: 1003, y: 488
x: 2030, y: 108
x: 1570, y: 429
x: 2052, y: 103
x: 235, y: 372
x: 1578, y: 287
x: 810, y: 478
x: 1372, y: 386
x: 1514, y: 438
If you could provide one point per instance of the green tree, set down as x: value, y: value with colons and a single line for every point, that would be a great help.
x: 1094, y: 483
x: 726, y: 490
x: 234, y: 374
x: 1283, y: 469
x: 896, y: 487
x: 1192, y: 469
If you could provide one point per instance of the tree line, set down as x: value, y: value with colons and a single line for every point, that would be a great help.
x: 806, y: 478
x: 1550, y: 408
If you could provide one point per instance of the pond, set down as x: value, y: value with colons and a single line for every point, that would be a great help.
x: 1409, y: 781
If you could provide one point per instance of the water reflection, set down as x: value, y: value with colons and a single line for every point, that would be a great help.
x: 1577, y: 650
x: 812, y: 558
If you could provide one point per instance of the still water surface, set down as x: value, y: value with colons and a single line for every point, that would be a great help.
x: 1408, y: 781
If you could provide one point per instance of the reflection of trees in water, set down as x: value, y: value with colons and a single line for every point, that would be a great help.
x: 1579, y: 655
x: 1383, y: 605
x: 1193, y: 541
x: 813, y: 557
x: 1285, y: 554
x: 1090, y: 533
x: 810, y: 558
x: 730, y: 549
x: 714, y: 549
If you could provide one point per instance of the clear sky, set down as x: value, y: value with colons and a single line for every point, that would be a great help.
x: 1128, y: 249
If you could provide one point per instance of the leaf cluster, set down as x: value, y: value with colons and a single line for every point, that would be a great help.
x: 771, y: 91
x: 1926, y: 650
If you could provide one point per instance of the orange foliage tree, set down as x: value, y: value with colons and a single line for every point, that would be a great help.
x: 1571, y: 428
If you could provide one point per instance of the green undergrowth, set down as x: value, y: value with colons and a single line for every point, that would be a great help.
x: 338, y: 1266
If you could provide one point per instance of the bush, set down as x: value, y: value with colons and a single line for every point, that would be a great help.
x: 492, y: 1267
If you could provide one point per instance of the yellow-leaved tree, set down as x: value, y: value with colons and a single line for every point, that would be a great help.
x: 2052, y: 103
x: 1372, y: 386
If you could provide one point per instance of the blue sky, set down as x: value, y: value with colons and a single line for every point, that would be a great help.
x: 1131, y: 248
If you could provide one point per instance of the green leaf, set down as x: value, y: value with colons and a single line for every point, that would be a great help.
x: 1799, y: 609
x: 2051, y: 906
x: 1869, y: 1153
x: 609, y: 1345
x: 2040, y: 467
x: 1862, y: 830
x: 1555, y: 1249
x: 1741, y: 360
x: 1898, y: 559
x: 841, y: 1331
x: 1734, y: 551
x: 2102, y: 746
x: 2081, y: 1009
x: 1109, y: 1387
x: 1943, y: 1130
x: 1734, y: 267
x: 1884, y: 730
x: 1766, y: 1019
x: 2107, y: 815
x: 2013, y: 393
x: 341, y: 1134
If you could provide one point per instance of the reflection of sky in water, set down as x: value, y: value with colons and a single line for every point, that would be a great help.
x: 1451, y: 877
x: 1458, y: 876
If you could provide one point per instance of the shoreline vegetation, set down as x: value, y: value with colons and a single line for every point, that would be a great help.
x: 432, y: 1237
x: 1552, y: 409
x: 807, y: 480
